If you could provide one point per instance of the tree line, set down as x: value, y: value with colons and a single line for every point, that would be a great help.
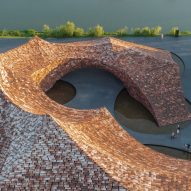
x: 69, y: 29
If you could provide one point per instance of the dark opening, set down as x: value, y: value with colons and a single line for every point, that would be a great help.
x: 133, y: 115
x: 62, y: 92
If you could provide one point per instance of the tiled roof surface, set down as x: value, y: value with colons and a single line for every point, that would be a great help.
x: 149, y: 74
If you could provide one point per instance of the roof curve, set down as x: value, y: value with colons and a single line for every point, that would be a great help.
x: 150, y: 75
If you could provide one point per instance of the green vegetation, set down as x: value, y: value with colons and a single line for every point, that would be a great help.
x: 181, y: 33
x: 185, y: 33
x: 97, y: 31
x: 122, y: 31
x: 30, y: 32
x: 69, y: 29
x: 46, y: 31
x: 79, y: 32
x: 146, y: 31
x: 173, y: 31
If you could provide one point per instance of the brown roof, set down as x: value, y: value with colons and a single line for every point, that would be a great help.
x: 151, y: 77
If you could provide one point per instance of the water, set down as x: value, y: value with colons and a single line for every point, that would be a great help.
x: 112, y: 14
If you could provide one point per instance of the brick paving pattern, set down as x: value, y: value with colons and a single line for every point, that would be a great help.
x: 151, y: 77
x: 39, y: 155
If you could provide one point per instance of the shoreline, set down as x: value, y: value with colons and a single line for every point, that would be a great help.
x: 71, y: 30
x: 84, y: 37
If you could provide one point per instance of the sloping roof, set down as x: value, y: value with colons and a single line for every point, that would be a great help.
x: 149, y: 74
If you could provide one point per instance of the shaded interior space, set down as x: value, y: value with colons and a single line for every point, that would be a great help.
x: 62, y: 92
x: 132, y: 114
x: 97, y: 81
x: 173, y: 152
x: 93, y: 88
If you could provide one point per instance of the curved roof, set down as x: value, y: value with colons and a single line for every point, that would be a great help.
x: 149, y: 74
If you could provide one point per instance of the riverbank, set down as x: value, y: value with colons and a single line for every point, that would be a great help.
x: 10, y: 37
x: 87, y: 37
x: 70, y: 29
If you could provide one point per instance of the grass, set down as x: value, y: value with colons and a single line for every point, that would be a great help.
x: 13, y: 37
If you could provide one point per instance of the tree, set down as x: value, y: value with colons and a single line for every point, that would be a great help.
x: 79, y: 32
x: 14, y: 33
x: 4, y: 32
x: 67, y: 30
x: 56, y: 33
x: 156, y: 30
x: 122, y: 31
x: 30, y: 32
x: 145, y: 31
x: 173, y: 30
x: 97, y: 31
x: 46, y: 30
x: 137, y: 31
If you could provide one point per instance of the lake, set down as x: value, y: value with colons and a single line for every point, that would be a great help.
x: 112, y: 14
